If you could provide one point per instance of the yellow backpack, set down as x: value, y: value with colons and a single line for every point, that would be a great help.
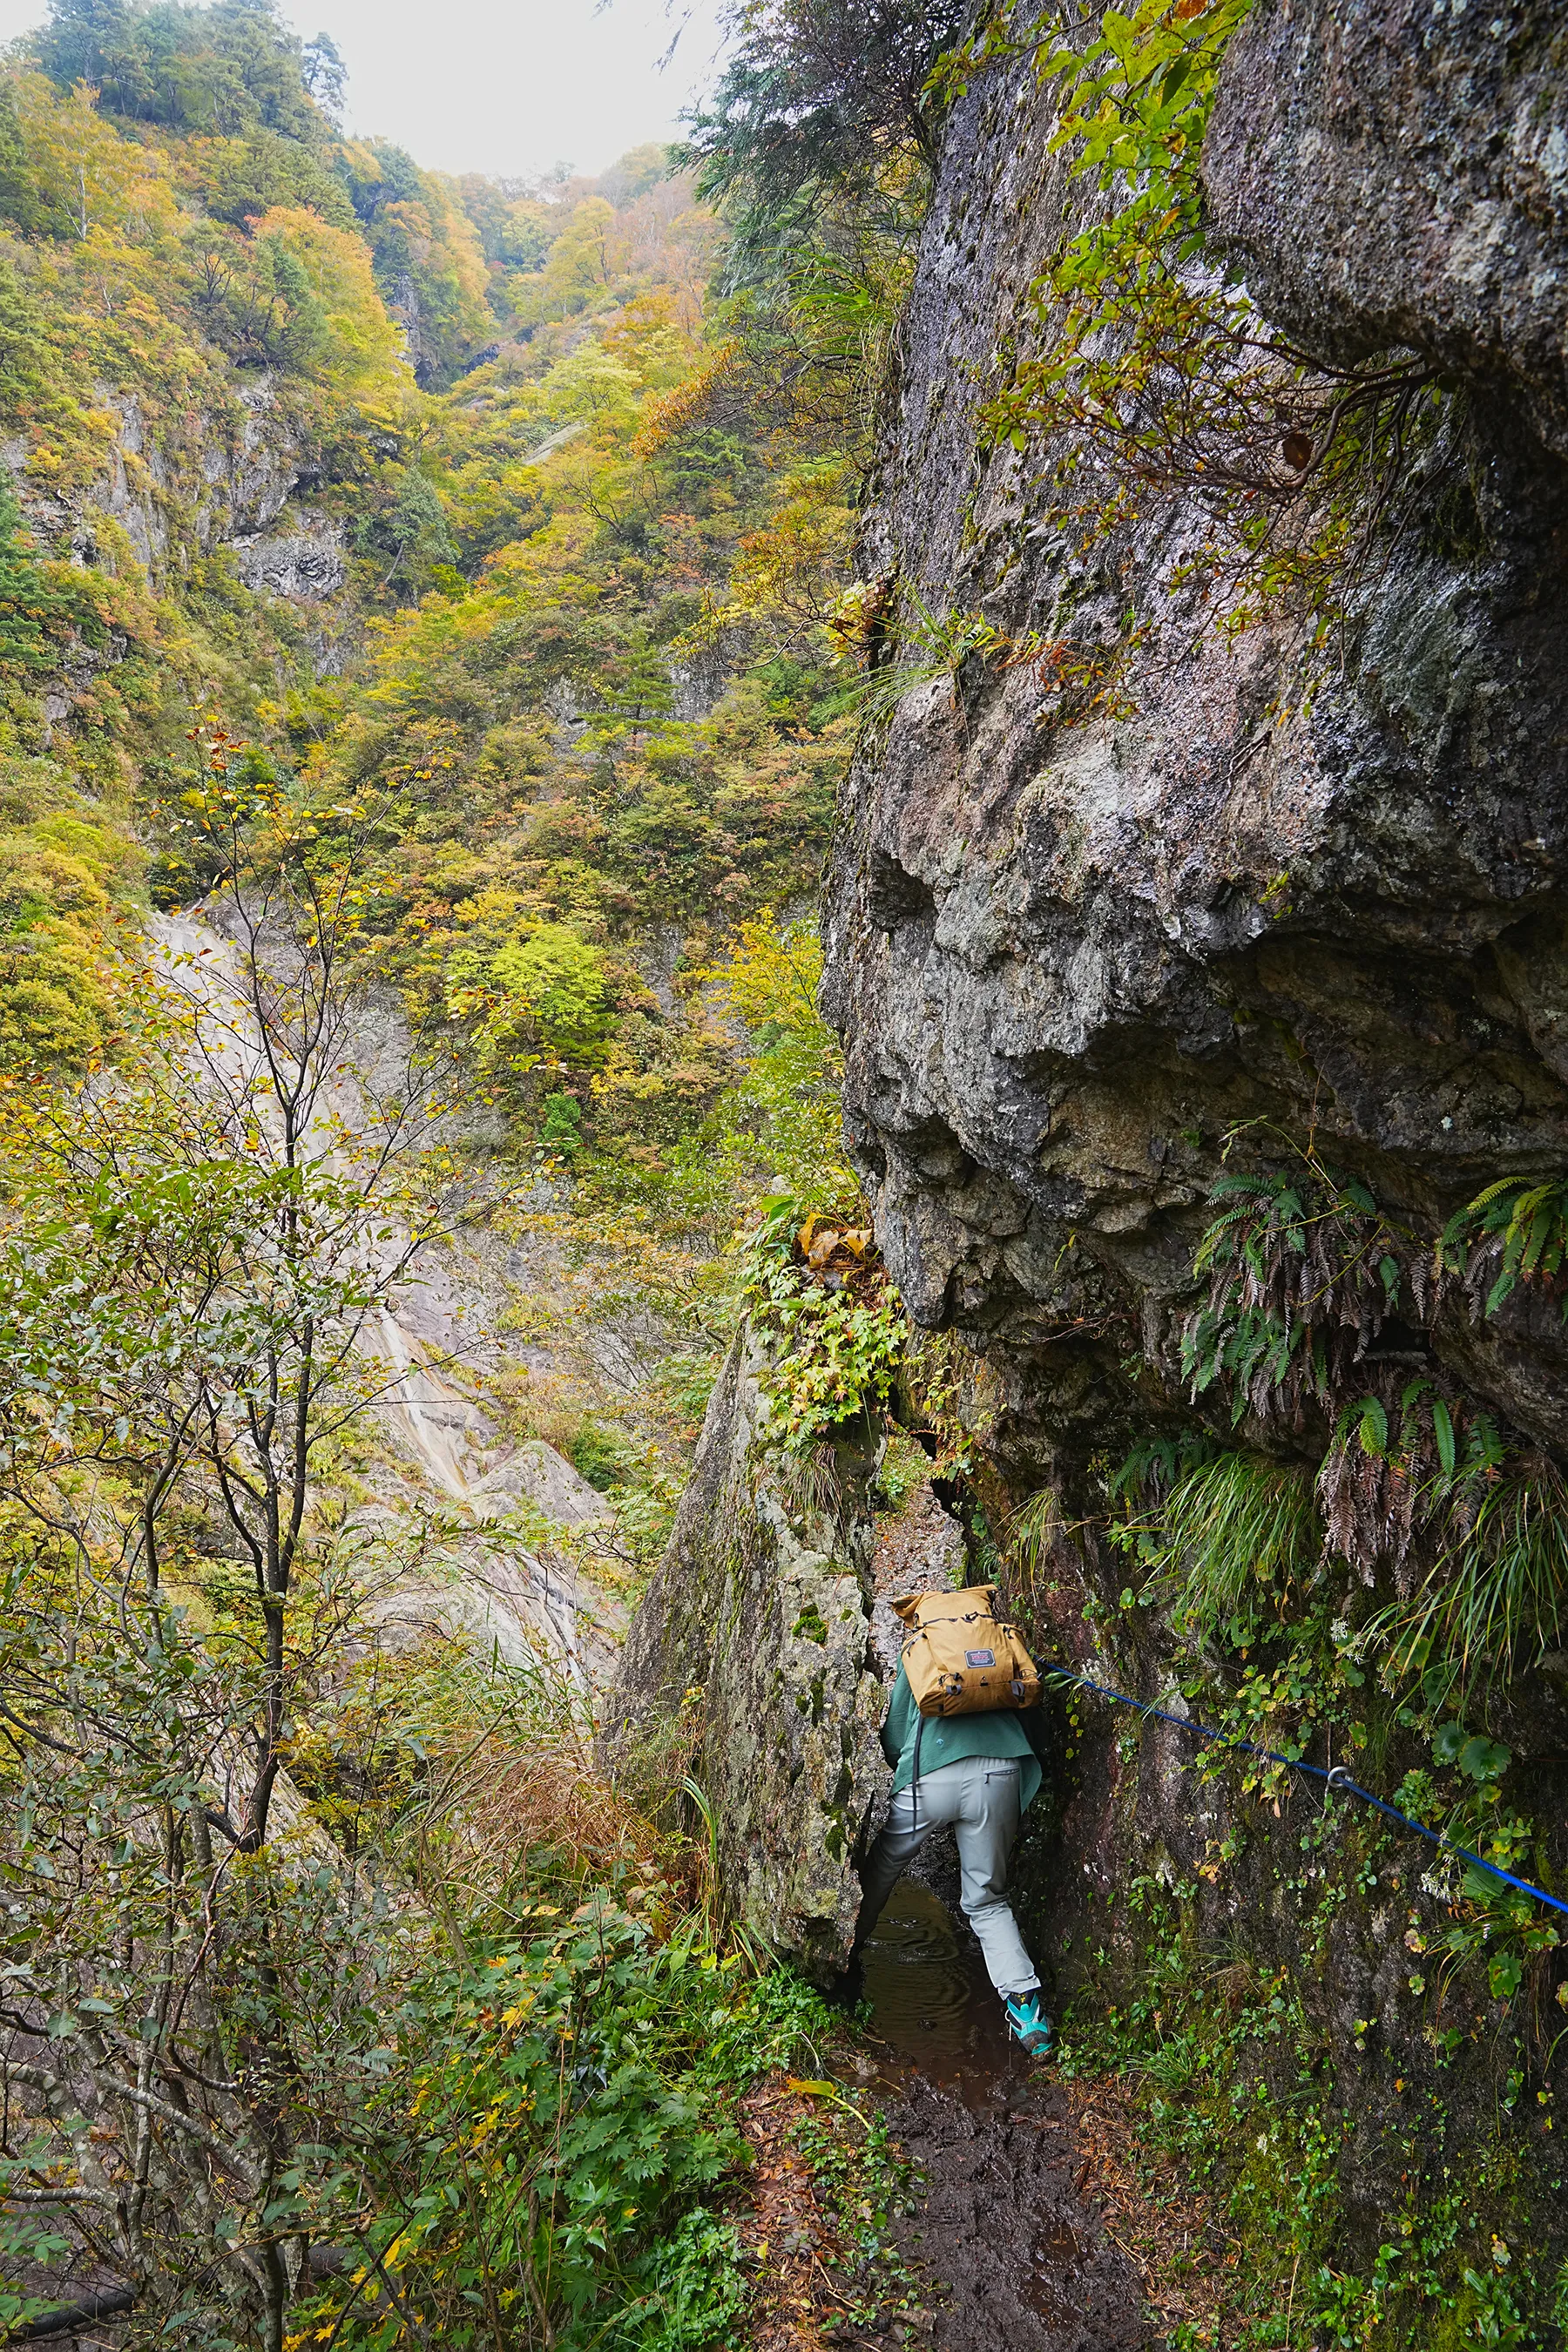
x: 960, y: 1657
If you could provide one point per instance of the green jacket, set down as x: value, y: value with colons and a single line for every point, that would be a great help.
x: 945, y: 1738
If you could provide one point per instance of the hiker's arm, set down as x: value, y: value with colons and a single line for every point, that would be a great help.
x: 900, y: 1712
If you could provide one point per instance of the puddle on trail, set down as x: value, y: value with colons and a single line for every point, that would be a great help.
x: 932, y: 1998
x: 1017, y: 2261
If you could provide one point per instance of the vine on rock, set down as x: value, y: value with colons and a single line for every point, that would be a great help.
x: 818, y: 1290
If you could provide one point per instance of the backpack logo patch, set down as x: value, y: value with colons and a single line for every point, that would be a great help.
x: 980, y: 1657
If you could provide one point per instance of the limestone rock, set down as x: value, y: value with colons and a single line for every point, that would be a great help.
x: 1396, y: 173
x: 750, y: 1655
x: 306, y: 563
x: 544, y: 1478
x: 1066, y: 959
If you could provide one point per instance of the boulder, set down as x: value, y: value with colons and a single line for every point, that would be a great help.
x: 747, y: 1666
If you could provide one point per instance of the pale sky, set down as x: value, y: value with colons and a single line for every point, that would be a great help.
x: 502, y: 85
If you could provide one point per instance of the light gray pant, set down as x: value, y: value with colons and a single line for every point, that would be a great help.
x: 979, y: 1796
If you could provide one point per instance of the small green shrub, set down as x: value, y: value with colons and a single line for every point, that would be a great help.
x: 562, y: 1129
x: 556, y: 2121
x: 542, y: 998
x: 835, y: 1350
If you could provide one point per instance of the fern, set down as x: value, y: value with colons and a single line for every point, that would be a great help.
x: 1303, y: 1272
x: 1495, y: 1597
x: 1525, y: 1225
x: 1155, y: 1464
x: 1392, y: 1466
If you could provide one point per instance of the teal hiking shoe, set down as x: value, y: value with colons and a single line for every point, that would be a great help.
x: 1027, y: 2022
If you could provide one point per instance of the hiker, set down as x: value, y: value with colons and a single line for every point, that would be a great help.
x: 975, y: 1769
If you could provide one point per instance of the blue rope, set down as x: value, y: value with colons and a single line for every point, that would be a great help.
x: 1335, y: 1778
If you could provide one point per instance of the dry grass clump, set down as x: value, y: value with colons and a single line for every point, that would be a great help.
x: 500, y: 1819
x: 475, y: 1780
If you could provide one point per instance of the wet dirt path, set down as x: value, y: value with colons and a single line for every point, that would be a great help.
x: 1008, y: 2232
x: 1008, y: 2229
x: 1034, y: 2220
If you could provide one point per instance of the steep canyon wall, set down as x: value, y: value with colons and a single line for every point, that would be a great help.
x: 1068, y: 961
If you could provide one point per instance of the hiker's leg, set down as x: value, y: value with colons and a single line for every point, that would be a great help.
x: 988, y: 1824
x: 912, y: 1815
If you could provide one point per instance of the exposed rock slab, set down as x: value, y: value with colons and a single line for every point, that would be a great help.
x: 1396, y: 171
x: 749, y: 1655
x: 306, y: 563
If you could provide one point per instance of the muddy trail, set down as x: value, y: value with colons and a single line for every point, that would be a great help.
x: 1007, y: 2224
x: 1007, y: 2231
x: 1030, y: 2221
x: 1033, y: 2222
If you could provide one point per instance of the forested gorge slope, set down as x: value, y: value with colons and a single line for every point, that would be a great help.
x: 437, y: 512
x: 419, y: 740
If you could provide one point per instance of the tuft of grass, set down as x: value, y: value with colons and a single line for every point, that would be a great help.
x: 1233, y: 1538
x: 1495, y: 1597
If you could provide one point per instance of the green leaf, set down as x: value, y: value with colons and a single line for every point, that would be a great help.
x: 1504, y: 1970
x: 1373, y: 1430
x: 1484, y: 1759
x: 1448, y: 1740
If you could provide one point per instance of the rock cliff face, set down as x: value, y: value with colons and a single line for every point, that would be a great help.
x: 749, y: 1657
x: 227, y: 480
x: 230, y: 482
x: 1068, y: 961
x: 1397, y: 173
